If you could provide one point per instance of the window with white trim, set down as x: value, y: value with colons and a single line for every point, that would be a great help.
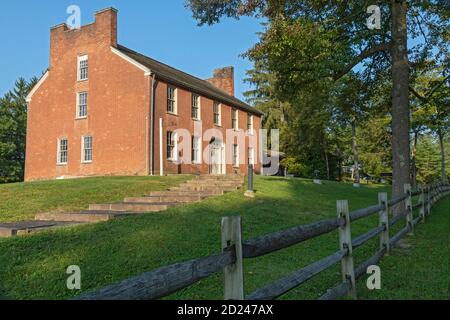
x: 235, y: 155
x: 171, y: 99
x: 63, y: 151
x: 234, y: 119
x: 217, y: 113
x: 195, y: 107
x: 250, y: 123
x: 83, y: 68
x: 196, y: 149
x: 87, y: 149
x: 251, y: 156
x: 171, y: 146
x: 82, y: 105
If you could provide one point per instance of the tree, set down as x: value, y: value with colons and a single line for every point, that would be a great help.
x: 13, y: 118
x: 428, y: 159
x: 432, y: 92
x: 321, y: 40
x: 352, y: 109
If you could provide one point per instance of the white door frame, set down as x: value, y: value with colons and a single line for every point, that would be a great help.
x: 221, y: 147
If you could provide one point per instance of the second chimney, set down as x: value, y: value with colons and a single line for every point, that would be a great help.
x: 224, y: 79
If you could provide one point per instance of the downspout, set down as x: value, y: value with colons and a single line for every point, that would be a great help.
x: 152, y: 125
x: 161, y: 159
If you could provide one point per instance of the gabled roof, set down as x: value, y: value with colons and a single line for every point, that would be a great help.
x: 182, y: 79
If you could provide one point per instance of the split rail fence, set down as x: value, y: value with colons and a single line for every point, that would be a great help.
x: 170, y: 279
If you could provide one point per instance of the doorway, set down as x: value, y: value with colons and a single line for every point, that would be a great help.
x: 216, y: 157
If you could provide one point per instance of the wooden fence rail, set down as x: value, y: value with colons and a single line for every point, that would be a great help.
x: 167, y: 280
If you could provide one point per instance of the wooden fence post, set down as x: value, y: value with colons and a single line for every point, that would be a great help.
x: 345, y: 242
x: 422, y: 200
x: 408, y: 207
x: 384, y: 221
x: 234, y: 279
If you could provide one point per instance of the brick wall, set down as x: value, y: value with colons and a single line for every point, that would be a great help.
x: 118, y: 111
x: 183, y: 119
x: 118, y: 107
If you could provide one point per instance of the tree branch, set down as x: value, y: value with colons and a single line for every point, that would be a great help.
x: 363, y: 55
x: 418, y: 95
x: 430, y: 94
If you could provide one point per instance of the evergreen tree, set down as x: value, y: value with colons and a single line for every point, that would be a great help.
x: 13, y: 122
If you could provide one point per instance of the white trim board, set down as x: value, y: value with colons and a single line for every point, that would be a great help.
x: 132, y: 61
x: 36, y: 87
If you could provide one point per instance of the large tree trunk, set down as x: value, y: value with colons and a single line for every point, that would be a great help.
x: 400, y: 100
x: 414, y: 160
x: 355, y: 155
x: 327, y: 163
x: 442, y: 147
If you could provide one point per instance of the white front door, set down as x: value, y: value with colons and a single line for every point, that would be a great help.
x: 216, y: 156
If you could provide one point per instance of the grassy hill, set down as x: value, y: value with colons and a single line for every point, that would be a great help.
x: 21, y: 201
x: 33, y: 267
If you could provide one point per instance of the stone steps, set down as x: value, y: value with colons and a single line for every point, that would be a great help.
x: 205, y: 193
x: 216, y: 184
x: 27, y: 227
x: 133, y: 207
x: 167, y: 198
x: 200, y: 188
x: 82, y: 216
x: 221, y: 177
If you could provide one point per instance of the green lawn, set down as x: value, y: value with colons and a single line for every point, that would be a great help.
x: 21, y: 201
x: 419, y: 268
x: 33, y: 267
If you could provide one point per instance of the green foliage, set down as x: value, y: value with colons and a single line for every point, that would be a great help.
x: 375, y: 146
x: 303, y: 79
x: 13, y: 119
x: 295, y: 167
x: 428, y: 159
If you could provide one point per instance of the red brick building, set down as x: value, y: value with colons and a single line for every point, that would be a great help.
x: 102, y: 109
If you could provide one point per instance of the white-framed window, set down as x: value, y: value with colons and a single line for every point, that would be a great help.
x: 217, y: 113
x: 250, y: 123
x: 195, y: 107
x: 251, y: 156
x: 82, y: 104
x: 235, y: 155
x: 171, y: 146
x: 171, y: 99
x: 83, y: 68
x: 235, y: 119
x: 86, y: 154
x: 63, y: 151
x: 196, y: 149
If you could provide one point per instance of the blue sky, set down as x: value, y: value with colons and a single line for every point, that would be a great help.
x: 164, y: 30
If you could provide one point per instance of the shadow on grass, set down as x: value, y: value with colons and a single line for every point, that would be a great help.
x: 33, y: 267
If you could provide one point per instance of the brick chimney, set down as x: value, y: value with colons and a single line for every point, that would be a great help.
x: 224, y: 79
x: 101, y: 33
x: 106, y: 22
